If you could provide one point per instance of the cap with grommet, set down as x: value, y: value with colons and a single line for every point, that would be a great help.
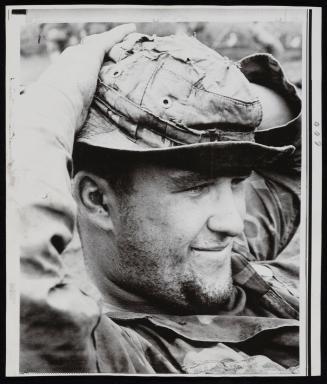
x: 178, y: 95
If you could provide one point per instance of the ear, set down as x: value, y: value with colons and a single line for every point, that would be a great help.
x: 95, y: 199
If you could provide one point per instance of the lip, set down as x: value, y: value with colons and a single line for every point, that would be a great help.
x: 210, y: 257
x: 210, y: 249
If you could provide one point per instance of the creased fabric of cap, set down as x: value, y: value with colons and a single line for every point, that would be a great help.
x: 159, y: 93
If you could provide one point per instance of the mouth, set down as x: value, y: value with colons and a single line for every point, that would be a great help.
x: 211, y: 249
x: 211, y: 256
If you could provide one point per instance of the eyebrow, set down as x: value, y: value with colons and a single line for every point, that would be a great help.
x: 182, y: 179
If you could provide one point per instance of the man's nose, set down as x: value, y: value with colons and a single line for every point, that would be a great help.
x: 225, y: 216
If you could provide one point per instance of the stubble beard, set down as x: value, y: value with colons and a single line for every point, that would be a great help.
x: 207, y: 298
x: 186, y: 293
x: 182, y: 294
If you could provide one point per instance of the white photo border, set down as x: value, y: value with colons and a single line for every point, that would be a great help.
x: 310, y: 313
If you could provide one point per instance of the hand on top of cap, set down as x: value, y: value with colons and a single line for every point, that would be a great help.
x: 74, y: 73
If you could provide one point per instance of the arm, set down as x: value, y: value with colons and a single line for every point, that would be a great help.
x: 273, y: 195
x: 57, y: 320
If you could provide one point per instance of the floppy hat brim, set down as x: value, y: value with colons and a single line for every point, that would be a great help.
x: 220, y: 154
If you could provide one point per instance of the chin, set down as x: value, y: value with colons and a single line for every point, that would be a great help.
x: 193, y: 297
x: 203, y: 297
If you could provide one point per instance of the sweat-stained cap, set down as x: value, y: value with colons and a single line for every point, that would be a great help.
x: 173, y: 94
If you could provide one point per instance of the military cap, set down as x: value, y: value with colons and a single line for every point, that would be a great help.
x: 173, y: 94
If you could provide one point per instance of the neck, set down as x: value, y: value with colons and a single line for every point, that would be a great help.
x: 119, y: 300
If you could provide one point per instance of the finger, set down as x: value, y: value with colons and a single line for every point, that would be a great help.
x: 121, y: 50
x: 106, y: 40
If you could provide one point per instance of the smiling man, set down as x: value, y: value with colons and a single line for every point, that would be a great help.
x: 172, y: 232
x: 186, y: 179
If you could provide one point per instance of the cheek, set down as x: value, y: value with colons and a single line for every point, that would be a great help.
x: 240, y: 203
x: 172, y: 221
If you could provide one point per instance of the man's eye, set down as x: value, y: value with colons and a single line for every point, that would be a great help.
x: 238, y: 180
x: 197, y: 189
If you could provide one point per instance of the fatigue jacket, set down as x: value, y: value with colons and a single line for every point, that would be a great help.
x: 64, y: 330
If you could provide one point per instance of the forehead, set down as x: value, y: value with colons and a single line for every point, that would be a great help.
x: 204, y: 165
x: 180, y: 174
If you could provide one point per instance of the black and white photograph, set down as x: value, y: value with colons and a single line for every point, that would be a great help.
x: 158, y: 168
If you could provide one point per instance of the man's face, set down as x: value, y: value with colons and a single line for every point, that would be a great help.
x: 174, y: 235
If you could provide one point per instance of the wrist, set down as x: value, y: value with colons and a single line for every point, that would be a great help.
x: 48, y: 110
x: 275, y: 109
